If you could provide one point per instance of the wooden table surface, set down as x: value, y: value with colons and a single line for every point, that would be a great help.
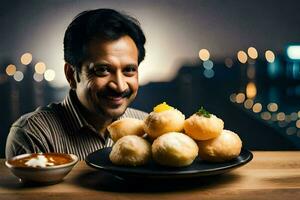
x: 270, y: 175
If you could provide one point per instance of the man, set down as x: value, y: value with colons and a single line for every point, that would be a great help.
x: 103, y: 49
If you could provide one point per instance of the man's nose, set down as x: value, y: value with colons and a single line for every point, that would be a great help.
x: 118, y: 83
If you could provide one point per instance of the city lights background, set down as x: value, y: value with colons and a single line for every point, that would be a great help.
x: 245, y: 52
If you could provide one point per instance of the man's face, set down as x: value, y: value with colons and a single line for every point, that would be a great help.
x: 109, y: 77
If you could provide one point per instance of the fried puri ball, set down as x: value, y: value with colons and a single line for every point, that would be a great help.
x: 203, y: 125
x: 225, y: 147
x: 126, y: 126
x: 174, y: 149
x: 130, y: 150
x: 163, y: 119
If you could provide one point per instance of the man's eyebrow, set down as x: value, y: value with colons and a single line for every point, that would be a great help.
x: 92, y: 65
x: 99, y: 64
x: 131, y: 65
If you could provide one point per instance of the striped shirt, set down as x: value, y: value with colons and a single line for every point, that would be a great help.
x: 59, y: 128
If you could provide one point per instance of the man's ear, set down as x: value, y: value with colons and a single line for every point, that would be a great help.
x: 70, y: 74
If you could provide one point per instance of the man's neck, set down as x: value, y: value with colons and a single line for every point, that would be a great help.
x: 100, y: 123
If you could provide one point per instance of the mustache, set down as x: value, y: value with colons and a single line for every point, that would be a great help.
x: 113, y: 93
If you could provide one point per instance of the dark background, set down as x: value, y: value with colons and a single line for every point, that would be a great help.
x: 172, y: 70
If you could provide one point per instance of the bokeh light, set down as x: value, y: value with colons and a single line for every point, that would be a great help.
x: 294, y: 116
x: 38, y: 77
x: 240, y: 97
x: 293, y: 52
x: 281, y: 116
x: 228, y: 62
x: 232, y: 97
x: 49, y: 75
x: 270, y: 56
x: 18, y: 76
x: 209, y: 73
x: 272, y: 107
x: 257, y: 107
x: 208, y: 64
x: 298, y: 123
x: 251, y: 90
x: 40, y: 67
x: 252, y: 52
x: 266, y: 116
x: 248, y: 103
x: 11, y: 70
x: 242, y: 56
x: 26, y: 58
x: 204, y: 54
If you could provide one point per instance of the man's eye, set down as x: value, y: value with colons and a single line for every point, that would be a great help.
x: 130, y: 70
x: 101, y: 71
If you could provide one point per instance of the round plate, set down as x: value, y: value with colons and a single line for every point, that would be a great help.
x: 100, y: 160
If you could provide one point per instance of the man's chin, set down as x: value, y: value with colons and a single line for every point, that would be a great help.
x: 114, y: 112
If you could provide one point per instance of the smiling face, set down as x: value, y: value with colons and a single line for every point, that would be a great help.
x: 108, y: 81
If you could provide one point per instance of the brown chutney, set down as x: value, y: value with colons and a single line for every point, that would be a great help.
x: 55, y: 158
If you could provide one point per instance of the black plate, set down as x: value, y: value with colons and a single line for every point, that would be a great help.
x: 100, y: 160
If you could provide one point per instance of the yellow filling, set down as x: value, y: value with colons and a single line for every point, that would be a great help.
x: 162, y: 107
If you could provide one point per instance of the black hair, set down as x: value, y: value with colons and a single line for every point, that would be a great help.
x: 107, y: 24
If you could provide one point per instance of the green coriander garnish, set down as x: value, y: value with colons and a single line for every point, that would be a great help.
x: 203, y: 112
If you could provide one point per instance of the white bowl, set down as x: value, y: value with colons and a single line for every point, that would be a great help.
x: 48, y: 174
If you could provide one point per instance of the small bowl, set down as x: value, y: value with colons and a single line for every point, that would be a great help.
x: 44, y: 175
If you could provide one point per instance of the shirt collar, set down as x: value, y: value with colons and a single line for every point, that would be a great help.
x: 71, y: 103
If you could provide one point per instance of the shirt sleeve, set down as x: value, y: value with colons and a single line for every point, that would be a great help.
x: 21, y: 141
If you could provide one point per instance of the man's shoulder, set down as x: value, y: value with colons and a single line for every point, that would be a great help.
x: 37, y: 115
x: 29, y: 133
x: 134, y: 113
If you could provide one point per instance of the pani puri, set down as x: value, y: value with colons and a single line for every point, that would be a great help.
x: 126, y: 126
x: 163, y: 119
x: 225, y: 147
x: 174, y: 149
x: 203, y: 125
x: 130, y: 150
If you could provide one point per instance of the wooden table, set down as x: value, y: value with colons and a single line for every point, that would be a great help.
x: 270, y: 175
